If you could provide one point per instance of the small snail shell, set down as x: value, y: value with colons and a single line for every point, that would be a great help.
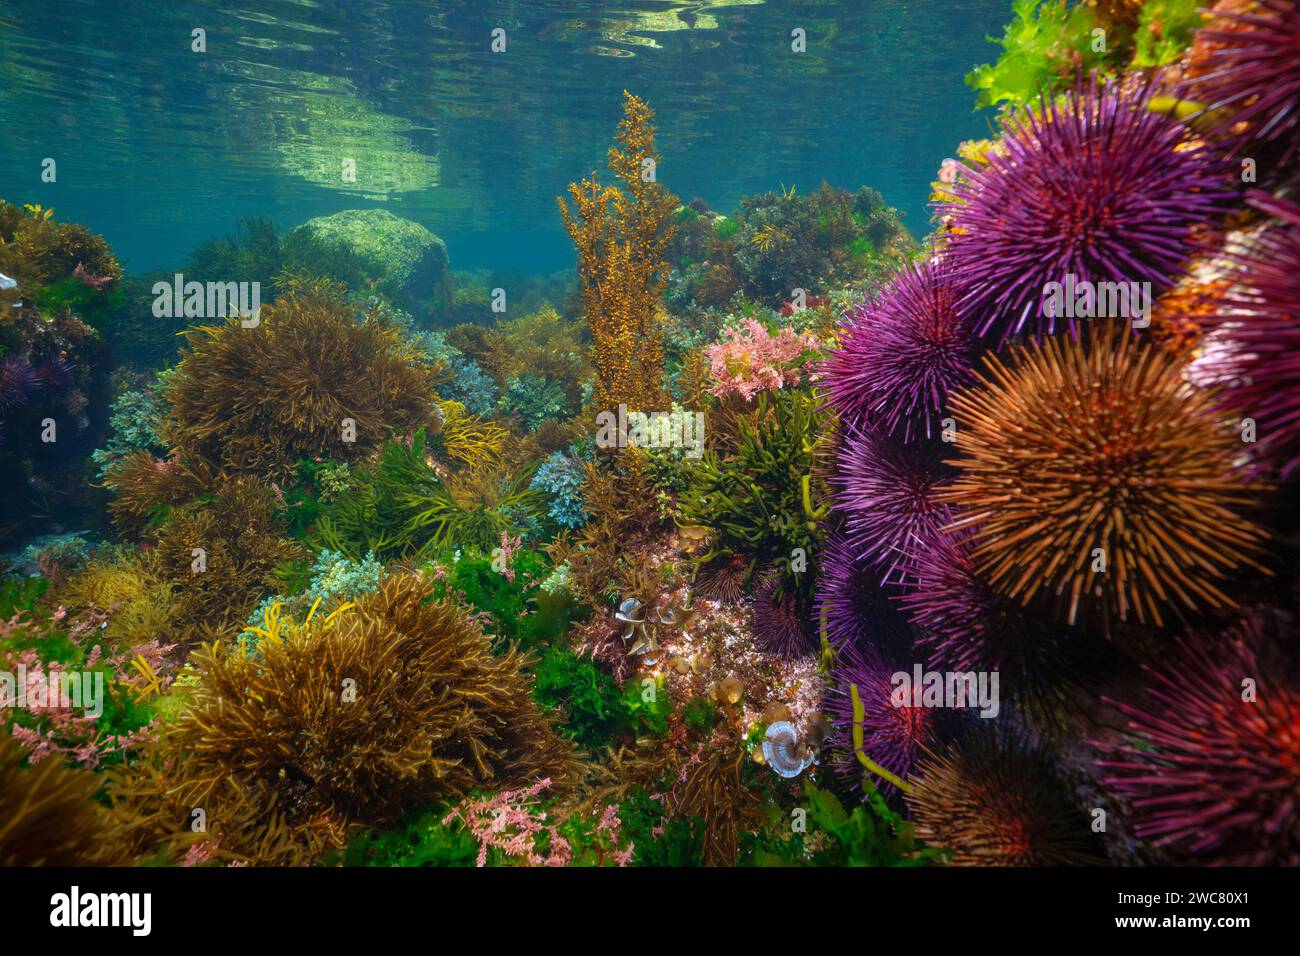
x: 731, y: 689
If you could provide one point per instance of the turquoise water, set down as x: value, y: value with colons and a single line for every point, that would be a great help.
x: 159, y: 147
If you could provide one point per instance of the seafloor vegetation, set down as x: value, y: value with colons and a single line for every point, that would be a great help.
x: 370, y: 579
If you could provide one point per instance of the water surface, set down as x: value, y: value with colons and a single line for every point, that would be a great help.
x: 159, y: 147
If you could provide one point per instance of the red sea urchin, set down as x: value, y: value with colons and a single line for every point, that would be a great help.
x: 900, y: 354
x: 1260, y: 319
x: 1208, y: 770
x: 994, y: 801
x: 1092, y: 468
x: 1092, y: 185
x: 1245, y: 68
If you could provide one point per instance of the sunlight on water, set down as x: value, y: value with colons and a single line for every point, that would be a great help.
x: 169, y: 146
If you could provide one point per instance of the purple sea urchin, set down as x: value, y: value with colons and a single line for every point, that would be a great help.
x: 967, y: 624
x: 18, y: 382
x: 900, y: 353
x: 1260, y: 322
x: 1246, y: 69
x: 850, y: 604
x: 1092, y: 185
x: 1207, y: 769
x: 891, y: 736
x: 888, y: 493
x: 23, y: 381
x: 994, y: 801
x: 52, y: 373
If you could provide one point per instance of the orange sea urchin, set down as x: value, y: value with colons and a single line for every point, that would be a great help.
x: 1092, y: 468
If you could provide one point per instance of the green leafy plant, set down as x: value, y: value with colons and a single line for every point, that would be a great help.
x: 659, y: 841
x: 648, y: 712
x: 20, y: 594
x: 96, y: 308
x: 400, y: 507
x: 700, y: 714
x: 1165, y: 29
x: 1043, y: 47
x: 764, y: 499
x: 521, y: 611
x: 871, y: 834
x: 424, y: 841
x: 593, y: 706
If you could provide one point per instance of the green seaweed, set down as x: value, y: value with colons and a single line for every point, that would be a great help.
x: 593, y: 706
x: 1165, y: 29
x: 658, y: 841
x: 763, y: 499
x: 400, y: 508
x: 20, y: 594
x: 1043, y: 48
x: 871, y: 834
x: 424, y: 841
x: 700, y: 715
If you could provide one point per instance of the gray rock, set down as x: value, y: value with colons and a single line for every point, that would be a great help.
x: 363, y: 245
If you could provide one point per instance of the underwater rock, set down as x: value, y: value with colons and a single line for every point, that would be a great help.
x: 361, y: 245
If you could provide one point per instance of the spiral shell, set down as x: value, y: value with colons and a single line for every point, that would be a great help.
x: 782, y: 752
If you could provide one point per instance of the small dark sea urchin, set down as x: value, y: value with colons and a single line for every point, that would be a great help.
x: 723, y: 579
x: 1091, y: 468
x: 780, y: 620
x: 1093, y: 185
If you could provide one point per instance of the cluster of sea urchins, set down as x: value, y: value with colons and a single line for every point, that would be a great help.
x: 1092, y: 485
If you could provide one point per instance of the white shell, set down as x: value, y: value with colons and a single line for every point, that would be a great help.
x: 779, y: 750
